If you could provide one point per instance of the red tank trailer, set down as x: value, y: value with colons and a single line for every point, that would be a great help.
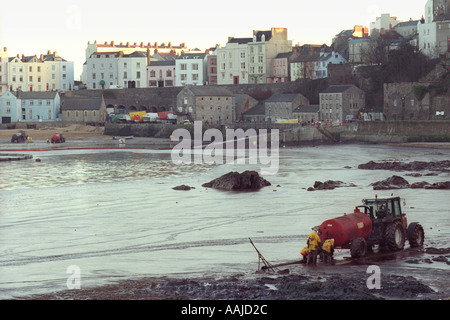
x: 346, y: 228
x: 376, y: 222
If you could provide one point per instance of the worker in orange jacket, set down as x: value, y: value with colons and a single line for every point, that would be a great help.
x: 314, y: 245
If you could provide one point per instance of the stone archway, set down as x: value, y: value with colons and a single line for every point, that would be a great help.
x: 132, y: 109
x: 153, y: 109
x: 121, y: 109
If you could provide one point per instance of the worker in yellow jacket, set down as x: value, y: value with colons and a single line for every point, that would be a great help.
x: 304, y: 253
x: 328, y: 250
x: 314, y: 245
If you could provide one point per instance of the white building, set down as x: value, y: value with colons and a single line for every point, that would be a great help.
x: 326, y: 58
x: 104, y: 70
x: 232, y: 61
x: 3, y: 71
x: 434, y: 33
x: 191, y: 69
x: 48, y: 72
x: 383, y: 24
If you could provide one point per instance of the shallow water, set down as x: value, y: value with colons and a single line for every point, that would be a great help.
x: 114, y: 214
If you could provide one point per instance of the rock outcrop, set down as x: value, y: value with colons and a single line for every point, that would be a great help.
x: 247, y: 180
x: 329, y: 185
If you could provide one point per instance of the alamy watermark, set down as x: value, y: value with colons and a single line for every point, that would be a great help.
x: 237, y: 143
x: 374, y: 281
x: 74, y: 280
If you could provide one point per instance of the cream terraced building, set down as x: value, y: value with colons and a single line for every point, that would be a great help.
x: 48, y: 72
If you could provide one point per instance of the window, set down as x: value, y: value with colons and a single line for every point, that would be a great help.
x: 168, y: 73
x: 125, y: 75
x: 195, y: 66
x: 138, y: 75
x: 183, y: 66
x: 152, y: 73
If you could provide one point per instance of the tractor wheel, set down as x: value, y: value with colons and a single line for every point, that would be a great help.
x: 416, y: 235
x: 395, y: 236
x: 358, y: 248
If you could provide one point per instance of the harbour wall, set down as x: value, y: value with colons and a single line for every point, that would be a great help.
x: 291, y: 134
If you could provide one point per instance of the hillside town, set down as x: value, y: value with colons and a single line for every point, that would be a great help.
x: 391, y: 70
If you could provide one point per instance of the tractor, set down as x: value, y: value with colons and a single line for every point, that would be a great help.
x: 375, y: 222
x: 58, y: 138
x: 20, y: 136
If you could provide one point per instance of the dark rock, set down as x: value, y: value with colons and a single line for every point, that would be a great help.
x: 411, y: 166
x: 419, y: 185
x: 439, y: 185
x: 183, y: 187
x: 247, y: 180
x: 394, y: 182
x: 329, y: 185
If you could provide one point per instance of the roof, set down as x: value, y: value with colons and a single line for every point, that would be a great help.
x: 240, y: 40
x: 306, y: 57
x: 337, y: 88
x: 37, y: 95
x: 285, y: 55
x: 192, y: 56
x: 78, y: 103
x: 411, y: 23
x: 259, y: 109
x: 267, y: 35
x: 136, y: 54
x: 210, y: 91
x: 162, y: 63
x: 307, y: 109
x: 283, y: 97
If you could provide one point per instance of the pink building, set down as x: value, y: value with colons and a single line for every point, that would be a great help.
x: 281, y: 67
x: 161, y: 74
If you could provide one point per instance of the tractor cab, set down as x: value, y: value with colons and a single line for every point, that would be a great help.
x: 383, y: 212
x: 388, y: 209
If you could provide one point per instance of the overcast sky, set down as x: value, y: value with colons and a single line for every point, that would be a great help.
x: 33, y: 27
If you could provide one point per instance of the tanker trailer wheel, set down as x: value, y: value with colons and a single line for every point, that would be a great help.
x: 395, y: 236
x: 358, y: 248
x: 416, y: 235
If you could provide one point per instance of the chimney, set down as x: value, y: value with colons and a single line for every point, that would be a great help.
x: 128, y: 44
x: 148, y: 56
x: 23, y: 57
x: 5, y: 49
x: 112, y: 43
x: 49, y: 52
x: 142, y: 44
x: 42, y: 57
x: 55, y: 53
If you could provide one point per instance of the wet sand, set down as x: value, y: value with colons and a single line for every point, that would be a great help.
x: 344, y: 280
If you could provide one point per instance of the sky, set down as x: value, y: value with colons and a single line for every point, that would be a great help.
x: 34, y: 27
